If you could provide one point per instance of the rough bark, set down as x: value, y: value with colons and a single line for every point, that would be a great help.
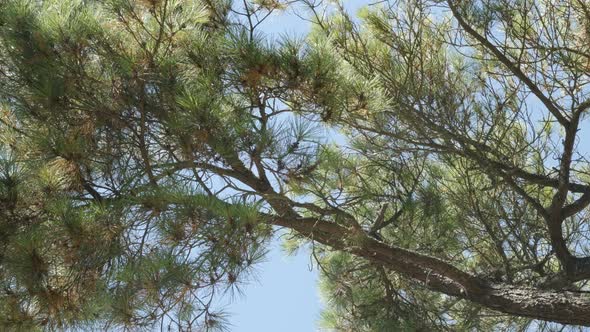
x: 564, y: 307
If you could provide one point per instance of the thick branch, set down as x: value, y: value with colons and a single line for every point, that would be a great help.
x: 556, y: 210
x: 557, y: 306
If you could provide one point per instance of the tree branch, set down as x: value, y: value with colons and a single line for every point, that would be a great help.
x: 514, y: 68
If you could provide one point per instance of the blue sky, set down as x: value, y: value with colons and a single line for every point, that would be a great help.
x: 283, y: 298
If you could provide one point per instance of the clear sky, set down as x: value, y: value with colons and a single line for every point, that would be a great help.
x: 285, y: 296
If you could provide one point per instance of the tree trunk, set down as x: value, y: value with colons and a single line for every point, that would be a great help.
x: 564, y: 307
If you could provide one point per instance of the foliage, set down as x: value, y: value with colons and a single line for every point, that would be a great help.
x: 430, y: 151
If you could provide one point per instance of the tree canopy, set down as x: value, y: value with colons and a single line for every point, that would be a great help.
x: 433, y: 153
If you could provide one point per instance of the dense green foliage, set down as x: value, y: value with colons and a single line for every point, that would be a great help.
x: 150, y: 147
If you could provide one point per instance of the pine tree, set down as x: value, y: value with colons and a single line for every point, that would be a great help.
x: 432, y: 151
